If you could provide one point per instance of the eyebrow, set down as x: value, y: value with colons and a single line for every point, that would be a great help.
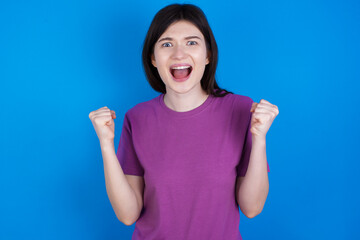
x: 170, y: 39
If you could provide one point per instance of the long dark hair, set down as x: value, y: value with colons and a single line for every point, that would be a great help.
x: 162, y: 20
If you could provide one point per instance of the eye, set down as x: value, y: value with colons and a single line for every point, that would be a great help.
x: 166, y: 44
x: 192, y: 43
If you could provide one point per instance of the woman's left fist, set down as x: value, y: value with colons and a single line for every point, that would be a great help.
x: 263, y: 114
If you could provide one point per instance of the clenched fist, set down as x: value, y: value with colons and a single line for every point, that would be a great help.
x: 263, y: 115
x: 103, y: 122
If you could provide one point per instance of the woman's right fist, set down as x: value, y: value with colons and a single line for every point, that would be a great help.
x: 102, y: 120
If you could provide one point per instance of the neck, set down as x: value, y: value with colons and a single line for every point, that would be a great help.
x: 183, y: 102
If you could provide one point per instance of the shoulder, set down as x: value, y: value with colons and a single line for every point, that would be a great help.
x: 143, y: 109
x: 240, y: 101
x: 237, y: 105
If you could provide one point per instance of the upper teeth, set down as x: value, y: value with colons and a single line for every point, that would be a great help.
x: 180, y: 67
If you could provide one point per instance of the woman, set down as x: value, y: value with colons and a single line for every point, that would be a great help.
x: 190, y: 157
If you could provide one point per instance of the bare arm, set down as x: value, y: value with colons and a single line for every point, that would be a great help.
x: 124, y: 200
x: 252, y: 190
x: 124, y: 192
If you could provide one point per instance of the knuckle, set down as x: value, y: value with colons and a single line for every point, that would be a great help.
x: 98, y: 120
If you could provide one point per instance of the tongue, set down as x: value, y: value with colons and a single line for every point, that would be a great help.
x: 180, y: 73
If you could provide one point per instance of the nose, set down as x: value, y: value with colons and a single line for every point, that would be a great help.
x: 179, y: 52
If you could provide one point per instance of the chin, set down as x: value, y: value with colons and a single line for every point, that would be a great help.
x: 183, y: 89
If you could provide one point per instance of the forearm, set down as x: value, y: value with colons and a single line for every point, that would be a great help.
x: 254, y: 188
x: 120, y: 193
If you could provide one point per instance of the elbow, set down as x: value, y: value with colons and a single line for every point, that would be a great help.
x: 127, y: 219
x: 252, y: 214
x: 254, y: 210
x: 130, y: 220
x: 127, y: 222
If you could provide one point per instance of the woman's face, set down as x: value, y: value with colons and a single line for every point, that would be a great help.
x: 180, y: 57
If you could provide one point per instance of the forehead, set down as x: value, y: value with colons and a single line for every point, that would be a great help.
x: 182, y: 28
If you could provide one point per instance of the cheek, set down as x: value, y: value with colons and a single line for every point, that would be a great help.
x: 160, y: 59
x: 201, y: 56
x: 161, y: 65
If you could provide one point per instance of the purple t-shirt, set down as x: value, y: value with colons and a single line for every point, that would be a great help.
x: 190, y: 162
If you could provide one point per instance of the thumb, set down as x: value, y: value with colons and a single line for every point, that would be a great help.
x: 253, y: 106
x: 113, y: 115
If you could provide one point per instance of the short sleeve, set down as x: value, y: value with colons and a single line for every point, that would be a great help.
x: 245, y: 156
x: 126, y: 154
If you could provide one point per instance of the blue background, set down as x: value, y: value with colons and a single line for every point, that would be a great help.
x: 60, y: 60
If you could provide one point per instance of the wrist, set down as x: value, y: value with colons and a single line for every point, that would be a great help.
x: 107, y: 144
x: 258, y: 139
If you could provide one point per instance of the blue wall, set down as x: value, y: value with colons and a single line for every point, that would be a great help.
x: 60, y: 60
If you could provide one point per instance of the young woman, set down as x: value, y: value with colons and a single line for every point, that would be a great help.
x: 190, y: 157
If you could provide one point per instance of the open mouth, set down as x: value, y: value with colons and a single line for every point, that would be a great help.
x: 180, y: 72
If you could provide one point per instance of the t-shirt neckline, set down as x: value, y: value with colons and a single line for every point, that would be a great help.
x: 189, y: 113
